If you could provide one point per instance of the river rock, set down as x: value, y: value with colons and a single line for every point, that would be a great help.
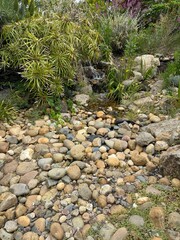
x: 77, y: 152
x: 19, y: 189
x: 57, y: 173
x: 26, y: 154
x: 120, y: 234
x: 170, y: 161
x: 7, y: 200
x: 57, y: 231
x: 106, y: 231
x: 144, y: 139
x: 4, y: 147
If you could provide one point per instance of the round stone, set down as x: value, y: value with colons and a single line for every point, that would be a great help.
x: 74, y: 172
x: 57, y: 231
x: 77, y: 152
x: 57, y: 173
x: 11, y: 226
x: 23, y: 221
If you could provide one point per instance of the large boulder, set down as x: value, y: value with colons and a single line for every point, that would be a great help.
x: 170, y: 162
x: 146, y: 63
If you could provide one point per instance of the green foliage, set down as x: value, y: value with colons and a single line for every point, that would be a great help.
x: 13, y: 10
x: 47, y: 51
x: 115, y: 78
x: 116, y: 29
x: 172, y: 70
x: 7, y: 111
x: 162, y: 37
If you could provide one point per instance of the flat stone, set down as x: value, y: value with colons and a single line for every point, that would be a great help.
x: 136, y: 220
x: 57, y: 173
x: 57, y: 231
x: 4, y: 147
x: 24, y: 221
x: 50, y: 195
x: 26, y: 178
x: 7, y: 200
x: 144, y: 139
x: 84, y: 191
x: 107, y: 231
x: 19, y: 189
x: 30, y: 236
x: 25, y: 167
x: 10, y: 167
x: 5, y: 236
x: 120, y: 234
x: 11, y: 226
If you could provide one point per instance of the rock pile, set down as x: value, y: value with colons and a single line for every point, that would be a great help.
x: 56, y: 181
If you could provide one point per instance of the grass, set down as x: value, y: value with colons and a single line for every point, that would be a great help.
x: 168, y: 200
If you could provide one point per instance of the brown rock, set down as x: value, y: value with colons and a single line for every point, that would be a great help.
x: 74, y: 172
x: 120, y: 234
x: 7, y: 200
x: 117, y: 209
x: 31, y: 201
x: 175, y: 182
x: 2, y: 133
x: 10, y: 213
x: 40, y: 224
x: 57, y: 231
x: 100, y: 114
x: 138, y: 159
x: 101, y: 201
x: 33, y: 132
x: 43, y: 140
x: 157, y: 216
x: 170, y: 162
x: 4, y: 147
x: 10, y: 167
x: 30, y: 236
x: 2, y: 221
x: 130, y: 178
x: 43, y: 130
x: 23, y: 221
x: 113, y: 161
x: 28, y: 176
x: 25, y: 167
x: 6, y: 179
x: 20, y: 210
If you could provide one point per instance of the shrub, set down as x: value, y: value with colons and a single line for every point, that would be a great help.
x: 8, y: 112
x: 116, y: 28
x: 162, y: 37
x: 47, y: 51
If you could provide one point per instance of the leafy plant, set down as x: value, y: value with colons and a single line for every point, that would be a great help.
x: 7, y: 111
x: 116, y: 29
x: 47, y: 51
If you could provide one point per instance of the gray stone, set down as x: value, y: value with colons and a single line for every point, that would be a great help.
x: 19, y: 189
x: 170, y: 161
x: 107, y: 231
x: 78, y: 222
x: 84, y: 191
x: 57, y: 173
x: 44, y: 163
x: 143, y: 101
x: 136, y: 220
x: 174, y: 220
x: 11, y: 226
x: 164, y: 129
x: 5, y: 236
x: 144, y: 139
x: 82, y: 99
